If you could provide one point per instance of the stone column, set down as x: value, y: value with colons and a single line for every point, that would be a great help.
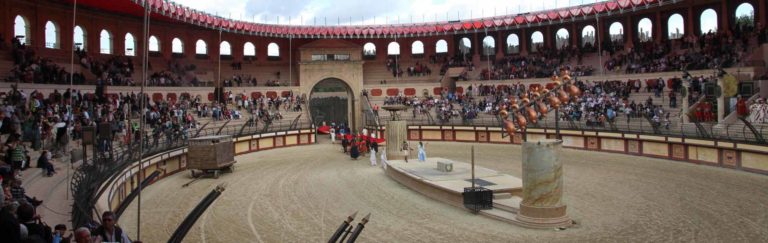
x: 628, y: 28
x: 397, y: 132
x: 542, y: 205
x: 724, y: 15
x: 720, y: 101
x: 760, y: 13
x: 685, y: 104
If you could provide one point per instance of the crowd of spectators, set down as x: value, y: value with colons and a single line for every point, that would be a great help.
x: 541, y: 64
x: 709, y: 51
x: 116, y: 70
x: 29, y: 68
x: 33, y: 123
x: 600, y: 103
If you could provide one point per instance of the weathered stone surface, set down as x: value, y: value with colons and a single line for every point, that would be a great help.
x: 397, y: 132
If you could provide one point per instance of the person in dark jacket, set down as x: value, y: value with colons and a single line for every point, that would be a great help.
x: 344, y: 144
x: 9, y: 224
x: 44, y: 162
x: 354, y: 151
x: 109, y: 231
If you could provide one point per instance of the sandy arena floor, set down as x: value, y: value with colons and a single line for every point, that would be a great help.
x: 302, y: 194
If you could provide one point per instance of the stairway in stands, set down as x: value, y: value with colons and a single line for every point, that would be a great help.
x: 6, y: 64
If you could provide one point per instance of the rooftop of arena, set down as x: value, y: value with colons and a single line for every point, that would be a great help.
x: 105, y: 96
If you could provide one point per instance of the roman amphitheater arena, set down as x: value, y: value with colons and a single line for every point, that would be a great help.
x: 596, y: 121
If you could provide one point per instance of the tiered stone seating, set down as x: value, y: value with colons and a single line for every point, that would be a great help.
x: 262, y: 73
x: 375, y: 72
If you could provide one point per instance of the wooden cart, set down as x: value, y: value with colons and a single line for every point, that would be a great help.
x: 210, y: 156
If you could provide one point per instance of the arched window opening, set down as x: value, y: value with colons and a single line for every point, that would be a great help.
x: 616, y: 31
x: 537, y: 41
x: 708, y: 21
x: 249, y: 50
x: 745, y: 15
x: 465, y: 46
x: 273, y: 50
x: 21, y: 29
x: 561, y: 38
x: 645, y: 30
x: 393, y: 49
x: 489, y: 46
x: 80, y: 38
x: 105, y: 43
x: 369, y: 49
x: 513, y: 44
x: 225, y: 49
x: 588, y: 36
x: 130, y: 45
x: 417, y: 48
x: 154, y: 44
x: 201, y: 48
x: 441, y: 47
x: 675, y: 27
x: 177, y: 46
x: 51, y: 35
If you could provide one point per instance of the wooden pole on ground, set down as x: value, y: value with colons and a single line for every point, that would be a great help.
x: 473, y: 167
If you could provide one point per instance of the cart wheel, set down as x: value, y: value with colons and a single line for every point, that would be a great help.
x: 216, y: 174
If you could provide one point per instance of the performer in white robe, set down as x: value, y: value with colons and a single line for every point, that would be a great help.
x: 757, y: 111
x: 373, y: 158
x: 384, y: 160
x: 422, y: 153
x: 333, y: 135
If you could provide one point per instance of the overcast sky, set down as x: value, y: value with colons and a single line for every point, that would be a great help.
x: 394, y: 11
x: 364, y: 12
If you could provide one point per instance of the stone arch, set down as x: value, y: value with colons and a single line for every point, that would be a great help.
x: 52, y: 37
x: 323, y: 105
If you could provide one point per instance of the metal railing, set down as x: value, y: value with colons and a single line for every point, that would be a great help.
x: 723, y: 132
x: 90, y: 179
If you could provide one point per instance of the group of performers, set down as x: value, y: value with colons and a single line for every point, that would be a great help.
x: 362, y: 143
x: 755, y: 113
x: 358, y: 144
x: 406, y: 149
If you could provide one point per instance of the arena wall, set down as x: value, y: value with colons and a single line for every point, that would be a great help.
x: 738, y: 156
x: 175, y: 161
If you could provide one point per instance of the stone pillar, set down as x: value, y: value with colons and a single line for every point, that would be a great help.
x: 397, y: 132
x: 658, y: 30
x: 575, y: 36
x: 524, y: 38
x: 723, y: 15
x: 760, y: 13
x: 720, y: 101
x: 685, y: 104
x: 689, y: 21
x: 628, y: 32
x: 501, y: 45
x: 542, y: 205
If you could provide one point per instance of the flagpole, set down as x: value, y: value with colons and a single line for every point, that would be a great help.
x: 142, y: 103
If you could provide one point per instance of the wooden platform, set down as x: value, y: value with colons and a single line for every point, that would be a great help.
x: 447, y: 187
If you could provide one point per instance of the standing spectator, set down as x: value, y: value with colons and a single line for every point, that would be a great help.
x: 672, y: 99
x: 109, y: 231
x: 83, y: 235
x: 741, y: 107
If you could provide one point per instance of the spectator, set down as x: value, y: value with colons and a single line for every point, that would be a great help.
x: 44, y: 162
x: 83, y: 235
x: 35, y: 228
x: 109, y: 231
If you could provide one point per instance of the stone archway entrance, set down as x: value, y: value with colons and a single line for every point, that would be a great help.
x: 331, y: 101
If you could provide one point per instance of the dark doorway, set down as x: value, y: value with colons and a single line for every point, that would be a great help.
x: 329, y: 102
